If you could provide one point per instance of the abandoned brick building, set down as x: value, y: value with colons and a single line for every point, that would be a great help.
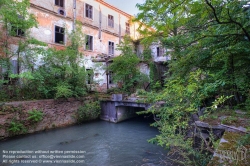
x: 103, y: 24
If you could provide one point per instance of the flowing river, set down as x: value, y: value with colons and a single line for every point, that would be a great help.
x: 96, y: 143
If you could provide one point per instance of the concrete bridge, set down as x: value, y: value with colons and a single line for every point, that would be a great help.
x: 117, y: 110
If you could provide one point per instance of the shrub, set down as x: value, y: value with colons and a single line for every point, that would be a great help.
x: 16, y: 128
x: 125, y: 68
x: 89, y: 111
x: 35, y: 115
x: 63, y: 91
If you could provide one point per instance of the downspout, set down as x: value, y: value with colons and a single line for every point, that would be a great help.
x: 74, y: 14
x: 100, y: 23
x: 119, y: 28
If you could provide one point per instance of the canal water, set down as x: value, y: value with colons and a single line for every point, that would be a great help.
x: 97, y: 143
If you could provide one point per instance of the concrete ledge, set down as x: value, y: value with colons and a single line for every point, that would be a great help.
x: 117, y: 111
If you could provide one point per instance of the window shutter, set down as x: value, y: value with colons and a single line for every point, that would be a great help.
x: 91, y: 42
x: 113, y: 48
x: 119, y: 33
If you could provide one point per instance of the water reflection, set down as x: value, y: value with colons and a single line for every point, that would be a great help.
x: 106, y: 144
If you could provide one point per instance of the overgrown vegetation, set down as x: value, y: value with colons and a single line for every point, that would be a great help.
x: 16, y: 128
x: 60, y: 73
x: 125, y: 68
x: 21, y: 120
x: 209, y: 65
x: 35, y: 115
x: 91, y: 110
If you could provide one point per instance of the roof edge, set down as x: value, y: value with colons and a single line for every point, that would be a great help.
x: 115, y: 8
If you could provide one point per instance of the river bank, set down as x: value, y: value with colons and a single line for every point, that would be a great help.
x: 16, y: 118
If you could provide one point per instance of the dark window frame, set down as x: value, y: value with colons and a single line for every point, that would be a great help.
x: 89, y: 43
x: 111, y: 48
x: 90, y: 76
x: 159, y: 51
x: 59, y: 34
x: 59, y: 3
x: 15, y: 30
x: 111, y: 21
x: 110, y: 77
x: 88, y: 11
x: 18, y: 32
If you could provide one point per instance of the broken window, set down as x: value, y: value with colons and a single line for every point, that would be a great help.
x: 110, y: 77
x: 111, y: 48
x: 137, y: 50
x: 59, y: 3
x: 159, y: 51
x: 111, y: 21
x: 15, y: 31
x: 88, y: 11
x: 127, y: 28
x: 89, y: 43
x: 59, y: 35
x: 90, y: 76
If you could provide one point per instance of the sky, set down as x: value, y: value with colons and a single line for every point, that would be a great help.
x: 127, y: 6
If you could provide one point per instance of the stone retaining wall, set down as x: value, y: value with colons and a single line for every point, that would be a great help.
x: 57, y: 113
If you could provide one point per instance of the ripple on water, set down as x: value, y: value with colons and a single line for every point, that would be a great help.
x: 106, y: 144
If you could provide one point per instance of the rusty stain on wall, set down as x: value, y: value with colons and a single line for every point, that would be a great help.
x: 49, y: 15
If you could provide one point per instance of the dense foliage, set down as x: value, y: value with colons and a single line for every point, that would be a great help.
x: 210, y: 61
x: 61, y: 73
x: 15, y: 21
x: 42, y: 72
x: 125, y: 68
x: 89, y: 111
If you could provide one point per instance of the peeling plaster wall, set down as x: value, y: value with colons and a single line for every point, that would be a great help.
x: 99, y: 70
x: 47, y: 17
x: 144, y: 68
x: 50, y: 5
x: 46, y: 25
x: 47, y: 14
x: 100, y: 46
x: 166, y: 53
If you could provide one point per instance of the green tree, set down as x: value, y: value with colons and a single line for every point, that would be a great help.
x: 16, y: 43
x: 210, y: 43
x: 209, y: 35
x: 15, y: 21
x: 125, y: 67
x: 62, y: 73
